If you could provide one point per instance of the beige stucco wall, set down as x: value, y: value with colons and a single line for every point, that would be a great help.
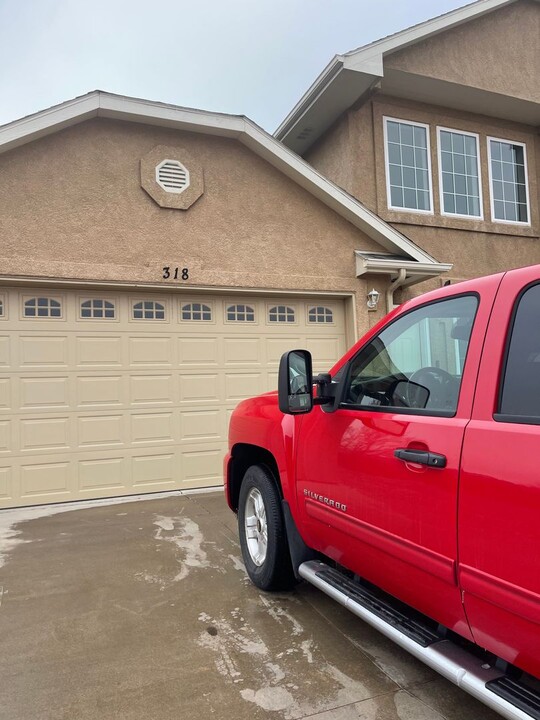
x: 498, y: 52
x: 484, y: 127
x: 476, y: 247
x: 346, y: 155
x: 73, y: 208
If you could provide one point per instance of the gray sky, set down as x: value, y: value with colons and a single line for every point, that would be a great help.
x: 238, y: 56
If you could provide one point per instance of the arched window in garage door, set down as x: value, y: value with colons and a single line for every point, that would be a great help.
x: 320, y: 314
x: 281, y: 314
x: 196, y: 311
x: 96, y: 308
x: 240, y: 313
x: 42, y: 307
x: 148, y: 310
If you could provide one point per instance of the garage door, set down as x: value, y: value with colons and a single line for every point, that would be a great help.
x: 105, y: 394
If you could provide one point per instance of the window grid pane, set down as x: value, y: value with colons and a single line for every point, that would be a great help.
x: 320, y: 314
x: 508, y: 181
x: 196, y: 311
x: 459, y: 173
x: 1, y: 308
x: 98, y: 309
x: 281, y: 313
x: 240, y: 313
x: 408, y: 166
x: 148, y: 310
x: 42, y: 307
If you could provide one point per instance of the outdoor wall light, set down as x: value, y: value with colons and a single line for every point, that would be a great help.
x: 373, y: 299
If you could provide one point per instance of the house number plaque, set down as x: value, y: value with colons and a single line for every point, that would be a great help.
x: 170, y: 273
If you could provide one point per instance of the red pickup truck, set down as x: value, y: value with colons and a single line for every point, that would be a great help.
x: 407, y: 485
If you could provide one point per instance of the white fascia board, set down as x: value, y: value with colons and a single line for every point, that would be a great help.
x: 134, y: 110
x: 154, y: 113
x: 380, y: 266
x: 331, y: 195
x: 369, y: 59
x: 310, y: 97
x: 118, y: 107
x: 427, y: 29
x: 48, y: 121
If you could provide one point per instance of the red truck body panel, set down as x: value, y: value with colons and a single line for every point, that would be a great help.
x: 461, y: 543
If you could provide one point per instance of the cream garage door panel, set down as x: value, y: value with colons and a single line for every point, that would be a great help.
x: 100, y: 391
x: 5, y: 394
x: 5, y: 436
x: 104, y: 396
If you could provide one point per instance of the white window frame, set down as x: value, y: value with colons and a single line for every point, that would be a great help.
x: 395, y: 208
x: 134, y: 300
x: 313, y: 306
x: 491, y: 194
x: 478, y: 167
x: 190, y: 302
x: 86, y: 298
x: 3, y: 306
x: 246, y: 303
x: 287, y: 306
x: 57, y: 298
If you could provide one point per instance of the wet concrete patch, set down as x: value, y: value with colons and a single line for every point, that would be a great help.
x: 144, y: 610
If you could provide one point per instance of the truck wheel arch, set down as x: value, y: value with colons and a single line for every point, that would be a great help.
x: 243, y: 456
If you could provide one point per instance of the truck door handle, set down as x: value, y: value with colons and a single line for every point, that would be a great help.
x: 423, y: 457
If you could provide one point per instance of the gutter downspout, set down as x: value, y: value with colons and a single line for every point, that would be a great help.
x: 394, y: 285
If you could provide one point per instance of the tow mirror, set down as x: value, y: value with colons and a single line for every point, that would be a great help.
x: 295, y: 382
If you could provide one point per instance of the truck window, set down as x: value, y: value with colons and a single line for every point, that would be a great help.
x: 416, y: 363
x: 520, y: 391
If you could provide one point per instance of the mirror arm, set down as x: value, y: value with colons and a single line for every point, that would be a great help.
x: 325, y: 389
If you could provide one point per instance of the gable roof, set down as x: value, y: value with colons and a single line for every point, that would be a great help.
x: 239, y: 127
x: 353, y: 76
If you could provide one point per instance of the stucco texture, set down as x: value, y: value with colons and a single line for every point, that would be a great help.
x: 73, y: 207
x: 484, y: 127
x: 498, y: 52
x: 476, y: 247
x: 346, y: 155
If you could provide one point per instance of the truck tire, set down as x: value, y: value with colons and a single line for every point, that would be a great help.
x: 263, y: 537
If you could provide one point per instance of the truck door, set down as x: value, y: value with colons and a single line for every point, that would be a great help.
x: 499, y: 501
x: 378, y: 478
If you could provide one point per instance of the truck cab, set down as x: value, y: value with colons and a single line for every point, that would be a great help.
x: 408, y: 475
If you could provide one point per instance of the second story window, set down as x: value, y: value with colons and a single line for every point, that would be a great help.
x: 508, y: 178
x: 408, y: 169
x: 459, y: 173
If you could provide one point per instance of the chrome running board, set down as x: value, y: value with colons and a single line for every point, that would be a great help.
x: 468, y: 672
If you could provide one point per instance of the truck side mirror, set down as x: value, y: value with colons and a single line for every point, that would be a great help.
x: 295, y: 382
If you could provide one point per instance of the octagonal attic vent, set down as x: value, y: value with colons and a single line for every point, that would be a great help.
x: 172, y: 176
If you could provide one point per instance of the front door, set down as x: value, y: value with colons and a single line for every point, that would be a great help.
x: 378, y: 478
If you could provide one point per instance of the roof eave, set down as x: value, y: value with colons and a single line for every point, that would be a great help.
x: 368, y: 62
x: 119, y: 107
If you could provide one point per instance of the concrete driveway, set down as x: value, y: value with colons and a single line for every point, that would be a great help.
x: 143, y: 610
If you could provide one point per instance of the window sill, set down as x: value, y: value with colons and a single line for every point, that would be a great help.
x: 455, y: 223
